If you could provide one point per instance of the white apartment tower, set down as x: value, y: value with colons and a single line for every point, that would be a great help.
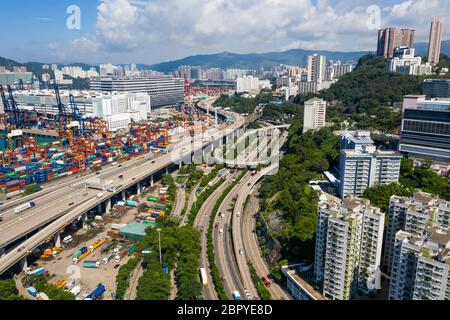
x: 420, y: 268
x: 315, y: 114
x: 413, y: 215
x: 362, y: 166
x: 348, y: 248
x: 316, y: 68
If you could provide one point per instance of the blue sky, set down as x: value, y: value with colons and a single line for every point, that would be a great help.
x: 151, y: 31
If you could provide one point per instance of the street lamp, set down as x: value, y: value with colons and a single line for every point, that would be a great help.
x: 159, y: 237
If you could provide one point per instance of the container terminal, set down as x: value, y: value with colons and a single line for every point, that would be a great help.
x: 78, y: 144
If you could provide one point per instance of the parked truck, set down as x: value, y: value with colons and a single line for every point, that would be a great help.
x: 37, y: 272
x: 97, y: 293
x: 91, y: 264
x: 24, y: 207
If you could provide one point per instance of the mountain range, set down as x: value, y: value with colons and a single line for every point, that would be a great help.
x: 234, y: 60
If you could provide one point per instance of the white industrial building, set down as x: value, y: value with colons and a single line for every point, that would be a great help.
x: 117, y: 108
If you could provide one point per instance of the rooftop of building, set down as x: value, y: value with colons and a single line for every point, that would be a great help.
x: 371, y: 152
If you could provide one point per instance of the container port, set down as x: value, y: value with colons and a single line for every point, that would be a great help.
x: 82, y: 145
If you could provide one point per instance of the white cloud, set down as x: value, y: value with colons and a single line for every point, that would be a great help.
x: 157, y: 30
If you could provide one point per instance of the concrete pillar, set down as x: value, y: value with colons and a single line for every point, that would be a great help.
x: 24, y: 264
x: 99, y: 208
x: 180, y: 166
x: 124, y: 196
x: 108, y: 205
x: 58, y: 239
x: 84, y: 218
x: 139, y: 188
x: 2, y: 251
x: 152, y: 182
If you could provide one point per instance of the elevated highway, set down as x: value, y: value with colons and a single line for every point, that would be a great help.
x: 60, y: 208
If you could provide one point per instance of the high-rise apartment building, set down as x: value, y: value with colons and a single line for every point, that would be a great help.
x: 314, y: 114
x: 413, y: 215
x: 391, y: 38
x: 363, y: 166
x: 434, y: 44
x: 348, y: 248
x: 420, y: 267
x: 316, y: 68
x: 425, y: 131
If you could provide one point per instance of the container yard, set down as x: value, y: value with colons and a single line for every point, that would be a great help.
x: 99, y: 249
x: 26, y: 165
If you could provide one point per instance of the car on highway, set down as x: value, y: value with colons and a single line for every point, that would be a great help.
x: 241, y: 252
x: 216, y: 226
x: 265, y: 281
x: 121, y: 176
x: 71, y: 204
x: 153, y: 161
x: 117, y: 266
x: 238, y: 214
x: 1, y: 219
x: 120, y: 166
x: 249, y: 184
x: 221, y: 231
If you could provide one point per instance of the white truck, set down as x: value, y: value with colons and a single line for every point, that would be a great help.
x: 100, y: 184
x: 24, y: 207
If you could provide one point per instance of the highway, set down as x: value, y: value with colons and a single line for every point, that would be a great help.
x: 252, y: 249
x: 240, y: 251
x: 223, y: 249
x: 57, y: 206
x: 202, y: 224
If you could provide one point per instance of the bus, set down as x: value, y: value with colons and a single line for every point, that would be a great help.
x: 203, y: 276
x: 236, y: 295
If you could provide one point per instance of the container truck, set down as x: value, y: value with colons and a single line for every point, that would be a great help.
x: 37, y: 272
x: 97, y: 293
x: 91, y: 264
x: 203, y: 276
x: 24, y: 207
x: 132, y: 204
x: 154, y: 198
x: 32, y: 291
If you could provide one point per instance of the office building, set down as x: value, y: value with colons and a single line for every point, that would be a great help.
x: 436, y: 88
x: 164, y: 91
x: 420, y: 266
x: 314, y: 114
x: 425, y: 130
x: 316, y: 68
x: 391, y: 38
x: 413, y: 215
x: 362, y: 166
x: 348, y: 248
x: 405, y: 62
x: 434, y: 43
